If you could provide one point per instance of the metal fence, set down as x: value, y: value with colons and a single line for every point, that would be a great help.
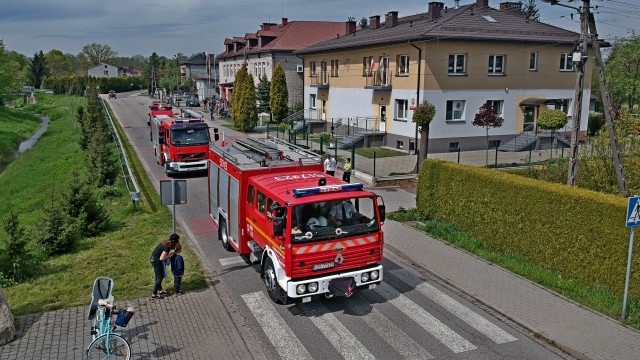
x: 130, y: 181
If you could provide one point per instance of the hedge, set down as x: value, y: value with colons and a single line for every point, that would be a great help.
x: 580, y: 233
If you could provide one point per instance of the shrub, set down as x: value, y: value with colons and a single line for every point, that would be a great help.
x: 16, y: 257
x: 82, y: 207
x: 595, y: 123
x: 57, y: 234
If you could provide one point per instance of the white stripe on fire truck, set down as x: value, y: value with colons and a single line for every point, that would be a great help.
x: 280, y: 335
x: 314, y: 248
x: 465, y: 314
x: 338, y: 335
x: 371, y: 239
x: 440, y: 331
x: 387, y: 330
x: 301, y: 250
x: 350, y: 243
x: 361, y: 241
x: 326, y: 247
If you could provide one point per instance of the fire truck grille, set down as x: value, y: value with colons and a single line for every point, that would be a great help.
x: 357, y: 257
x: 196, y: 156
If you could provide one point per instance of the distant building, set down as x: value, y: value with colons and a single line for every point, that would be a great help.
x: 201, y: 67
x: 274, y: 44
x: 106, y: 70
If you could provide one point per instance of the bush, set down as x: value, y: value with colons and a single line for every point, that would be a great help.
x: 576, y: 231
x: 83, y: 208
x: 16, y: 258
x: 57, y: 234
x: 595, y: 123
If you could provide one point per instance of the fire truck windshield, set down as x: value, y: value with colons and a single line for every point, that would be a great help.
x: 333, y: 219
x: 180, y: 137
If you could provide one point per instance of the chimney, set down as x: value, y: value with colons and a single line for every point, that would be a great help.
x: 374, y: 22
x: 435, y: 9
x: 391, y: 19
x: 285, y: 21
x: 511, y: 7
x: 350, y: 27
x: 482, y: 3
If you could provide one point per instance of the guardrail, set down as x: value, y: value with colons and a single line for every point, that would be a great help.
x: 129, y: 180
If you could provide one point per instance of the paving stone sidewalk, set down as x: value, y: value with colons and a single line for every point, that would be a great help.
x: 191, y: 326
x: 581, y: 332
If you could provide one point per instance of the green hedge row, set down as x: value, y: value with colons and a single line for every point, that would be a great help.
x: 578, y: 232
x: 76, y: 85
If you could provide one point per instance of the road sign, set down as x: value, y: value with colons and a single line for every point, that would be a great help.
x: 173, y: 196
x: 633, y: 211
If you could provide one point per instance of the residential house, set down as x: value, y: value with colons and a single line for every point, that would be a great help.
x: 106, y: 70
x: 271, y: 45
x: 201, y: 67
x: 457, y: 59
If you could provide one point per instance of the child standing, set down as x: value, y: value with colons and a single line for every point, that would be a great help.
x: 177, y: 268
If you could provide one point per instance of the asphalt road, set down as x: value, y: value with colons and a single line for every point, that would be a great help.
x: 410, y: 316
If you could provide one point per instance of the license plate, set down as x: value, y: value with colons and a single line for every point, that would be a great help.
x: 322, y: 266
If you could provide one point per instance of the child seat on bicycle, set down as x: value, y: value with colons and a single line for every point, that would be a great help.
x: 102, y: 290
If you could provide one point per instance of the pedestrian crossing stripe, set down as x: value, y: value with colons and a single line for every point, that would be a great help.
x: 633, y: 212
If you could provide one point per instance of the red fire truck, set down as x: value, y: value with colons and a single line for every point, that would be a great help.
x: 310, y: 232
x: 180, y: 144
x: 158, y: 108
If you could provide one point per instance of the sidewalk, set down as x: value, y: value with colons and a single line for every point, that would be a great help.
x: 191, y: 326
x: 583, y: 333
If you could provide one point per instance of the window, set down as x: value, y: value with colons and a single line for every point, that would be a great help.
x: 497, y: 106
x: 401, y: 109
x: 334, y: 68
x: 565, y: 62
x: 496, y: 64
x: 533, y: 61
x: 494, y: 144
x: 269, y: 203
x: 262, y: 202
x: 455, y: 110
x: 457, y: 64
x: 251, y: 195
x: 106, y: 72
x: 454, y: 146
x: 366, y: 65
x: 399, y: 144
x: 312, y: 101
x: 403, y: 65
x: 312, y: 65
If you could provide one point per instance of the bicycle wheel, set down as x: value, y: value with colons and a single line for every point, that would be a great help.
x: 109, y: 346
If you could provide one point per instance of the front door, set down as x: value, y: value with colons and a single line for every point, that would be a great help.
x: 383, y: 118
x: 529, y: 118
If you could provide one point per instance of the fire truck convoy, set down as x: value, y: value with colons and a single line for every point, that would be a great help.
x: 180, y: 144
x: 311, y: 233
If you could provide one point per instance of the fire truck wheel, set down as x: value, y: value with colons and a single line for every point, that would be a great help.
x: 224, y: 236
x: 271, y: 282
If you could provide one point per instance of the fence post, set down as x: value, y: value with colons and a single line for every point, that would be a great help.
x: 321, y: 141
x: 374, y: 163
x: 335, y: 145
x: 530, y: 154
x: 353, y: 156
x: 496, y: 164
x: 458, y: 154
x: 267, y: 129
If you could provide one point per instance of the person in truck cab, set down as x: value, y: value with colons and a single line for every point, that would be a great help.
x: 343, y: 213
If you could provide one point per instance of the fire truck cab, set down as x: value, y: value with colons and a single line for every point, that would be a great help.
x: 272, y: 201
x: 180, y: 144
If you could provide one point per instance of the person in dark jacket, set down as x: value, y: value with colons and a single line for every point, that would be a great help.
x: 177, y: 268
x: 158, y: 256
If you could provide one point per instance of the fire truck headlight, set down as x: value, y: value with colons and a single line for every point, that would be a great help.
x: 364, y: 277
x: 313, y: 287
x: 300, y: 289
x: 374, y: 275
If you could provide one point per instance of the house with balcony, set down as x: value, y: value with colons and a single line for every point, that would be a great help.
x: 457, y: 59
x: 273, y: 44
x: 201, y: 68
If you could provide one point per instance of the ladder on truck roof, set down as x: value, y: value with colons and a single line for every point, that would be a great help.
x: 265, y: 152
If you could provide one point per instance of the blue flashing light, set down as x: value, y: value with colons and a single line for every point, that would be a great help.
x: 327, y: 188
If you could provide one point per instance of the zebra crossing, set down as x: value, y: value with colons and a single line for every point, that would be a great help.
x: 386, y: 313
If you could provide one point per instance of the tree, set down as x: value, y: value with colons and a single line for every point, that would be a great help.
x: 9, y: 68
x: 16, y: 257
x: 249, y: 110
x: 237, y: 97
x: 422, y: 116
x: 151, y: 73
x: 94, y: 54
x: 38, y: 69
x: 487, y: 118
x: 59, y: 63
x: 531, y: 11
x: 279, y: 94
x: 82, y: 206
x: 623, y: 70
x: 552, y: 120
x: 262, y: 94
x: 364, y: 23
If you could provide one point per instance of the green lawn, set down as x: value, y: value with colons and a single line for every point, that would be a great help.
x: 15, y: 127
x: 121, y: 253
x: 380, y: 152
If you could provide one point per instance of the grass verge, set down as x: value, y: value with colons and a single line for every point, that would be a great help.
x: 593, y: 296
x: 121, y: 253
x: 379, y: 152
x: 15, y: 127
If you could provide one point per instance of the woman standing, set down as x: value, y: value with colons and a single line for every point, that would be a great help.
x: 346, y: 175
x: 158, y: 256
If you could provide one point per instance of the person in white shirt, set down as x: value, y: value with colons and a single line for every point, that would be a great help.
x: 342, y: 213
x: 330, y: 165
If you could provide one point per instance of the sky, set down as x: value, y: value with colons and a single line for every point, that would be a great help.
x: 132, y: 27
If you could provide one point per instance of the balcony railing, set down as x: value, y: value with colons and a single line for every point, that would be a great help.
x: 379, y: 80
x: 320, y: 80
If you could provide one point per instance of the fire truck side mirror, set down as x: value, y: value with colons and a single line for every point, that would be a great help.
x: 216, y: 136
x: 278, y: 226
x: 382, y: 209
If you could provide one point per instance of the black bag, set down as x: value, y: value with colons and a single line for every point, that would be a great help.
x: 342, y: 286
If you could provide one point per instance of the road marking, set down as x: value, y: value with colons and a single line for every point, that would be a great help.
x: 280, y: 335
x: 207, y: 232
x: 465, y: 314
x: 338, y: 335
x: 428, y: 322
x: 236, y: 260
x: 387, y: 330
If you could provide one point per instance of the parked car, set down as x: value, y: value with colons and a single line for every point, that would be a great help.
x: 112, y: 94
x: 193, y: 101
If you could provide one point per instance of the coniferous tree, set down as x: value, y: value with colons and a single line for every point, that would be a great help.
x: 279, y: 94
x: 16, y: 257
x: 364, y: 23
x: 237, y: 97
x: 38, y: 69
x: 262, y: 94
x: 531, y: 11
x: 56, y: 233
x: 249, y: 109
x: 83, y: 207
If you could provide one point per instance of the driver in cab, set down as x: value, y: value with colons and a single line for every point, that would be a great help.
x: 342, y: 213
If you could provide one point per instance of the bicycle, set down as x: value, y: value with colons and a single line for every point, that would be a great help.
x: 105, y: 343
